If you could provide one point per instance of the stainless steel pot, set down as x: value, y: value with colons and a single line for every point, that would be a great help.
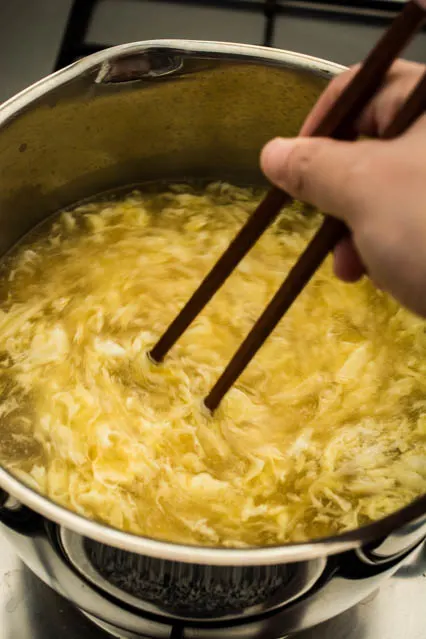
x: 165, y: 110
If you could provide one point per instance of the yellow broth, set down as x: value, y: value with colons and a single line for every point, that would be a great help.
x: 324, y: 431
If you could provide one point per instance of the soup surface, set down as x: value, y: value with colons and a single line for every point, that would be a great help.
x: 324, y: 431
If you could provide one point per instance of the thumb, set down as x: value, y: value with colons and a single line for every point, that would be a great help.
x: 320, y: 171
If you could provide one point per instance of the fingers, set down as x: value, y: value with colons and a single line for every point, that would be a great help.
x: 323, y: 172
x: 377, y: 187
x: 400, y: 81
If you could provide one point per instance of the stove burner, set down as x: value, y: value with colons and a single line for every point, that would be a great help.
x: 189, y: 593
x: 184, y: 590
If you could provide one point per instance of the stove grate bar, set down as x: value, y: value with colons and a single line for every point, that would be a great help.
x: 74, y: 44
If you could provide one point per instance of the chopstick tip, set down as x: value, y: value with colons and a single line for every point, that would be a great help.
x: 152, y: 359
x: 205, y: 410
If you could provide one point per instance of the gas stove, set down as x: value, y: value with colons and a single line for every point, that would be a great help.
x: 31, y: 610
x: 56, y: 32
x: 340, y: 31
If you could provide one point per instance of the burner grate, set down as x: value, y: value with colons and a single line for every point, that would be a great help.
x: 76, y: 43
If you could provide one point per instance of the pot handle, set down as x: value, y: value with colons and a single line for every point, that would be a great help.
x: 148, y: 65
x: 394, y: 546
x: 18, y: 517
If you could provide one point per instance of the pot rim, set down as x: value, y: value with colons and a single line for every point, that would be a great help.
x: 103, y: 533
x: 248, y: 52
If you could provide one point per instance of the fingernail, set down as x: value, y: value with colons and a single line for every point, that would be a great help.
x: 274, y: 157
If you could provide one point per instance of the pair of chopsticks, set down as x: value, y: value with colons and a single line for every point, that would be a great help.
x: 337, y: 123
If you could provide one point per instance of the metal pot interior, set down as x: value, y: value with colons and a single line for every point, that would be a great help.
x: 182, y: 114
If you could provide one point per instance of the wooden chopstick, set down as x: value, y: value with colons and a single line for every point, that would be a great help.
x: 323, y: 242
x: 337, y: 123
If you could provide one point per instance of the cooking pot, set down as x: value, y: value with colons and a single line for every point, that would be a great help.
x: 143, y: 112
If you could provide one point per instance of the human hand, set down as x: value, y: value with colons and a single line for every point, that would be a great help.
x: 377, y: 187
